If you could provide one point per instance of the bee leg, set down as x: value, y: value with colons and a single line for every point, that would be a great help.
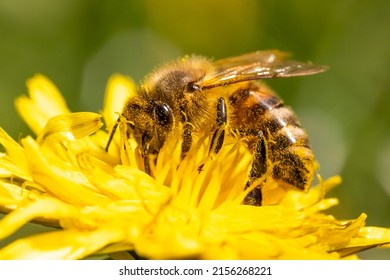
x: 187, y: 140
x: 258, y: 169
x: 145, y: 153
x: 219, y: 133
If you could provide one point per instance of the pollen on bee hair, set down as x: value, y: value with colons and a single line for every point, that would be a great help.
x: 196, y: 96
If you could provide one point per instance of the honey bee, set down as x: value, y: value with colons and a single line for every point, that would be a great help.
x: 200, y: 93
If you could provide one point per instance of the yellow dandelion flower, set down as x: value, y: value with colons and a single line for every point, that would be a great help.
x: 102, y: 202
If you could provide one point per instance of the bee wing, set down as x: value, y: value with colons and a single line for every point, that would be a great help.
x: 264, y: 57
x: 256, y: 66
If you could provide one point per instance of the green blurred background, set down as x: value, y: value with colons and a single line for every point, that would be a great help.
x: 79, y: 44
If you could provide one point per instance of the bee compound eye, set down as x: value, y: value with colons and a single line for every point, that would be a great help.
x: 192, y: 87
x: 163, y: 114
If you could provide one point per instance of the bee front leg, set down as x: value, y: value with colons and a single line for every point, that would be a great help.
x: 219, y: 133
x: 187, y: 139
x: 145, y: 152
x: 258, y: 169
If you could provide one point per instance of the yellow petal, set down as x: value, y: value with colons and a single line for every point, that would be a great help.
x: 368, y: 237
x: 60, y: 179
x: 45, y: 102
x: 15, y: 161
x: 10, y: 195
x: 65, y: 245
x: 49, y: 208
x: 70, y: 126
x: 119, y: 89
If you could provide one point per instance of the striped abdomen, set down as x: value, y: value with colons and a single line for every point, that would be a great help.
x: 255, y: 108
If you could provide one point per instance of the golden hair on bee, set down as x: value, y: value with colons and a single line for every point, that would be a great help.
x: 205, y: 96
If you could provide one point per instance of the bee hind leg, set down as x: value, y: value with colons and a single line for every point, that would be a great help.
x: 258, y: 169
x: 219, y: 134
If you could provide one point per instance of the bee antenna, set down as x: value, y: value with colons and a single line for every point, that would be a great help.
x: 112, y: 135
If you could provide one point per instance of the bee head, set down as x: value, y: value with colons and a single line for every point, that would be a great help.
x: 165, y: 98
x: 151, y: 122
